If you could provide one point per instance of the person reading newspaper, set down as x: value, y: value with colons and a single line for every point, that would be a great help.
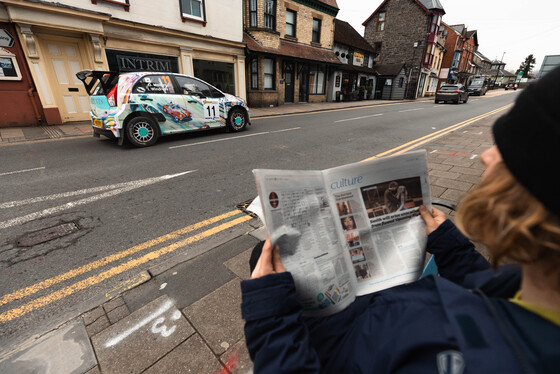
x: 475, y: 317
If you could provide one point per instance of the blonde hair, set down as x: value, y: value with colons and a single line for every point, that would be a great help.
x: 511, y: 222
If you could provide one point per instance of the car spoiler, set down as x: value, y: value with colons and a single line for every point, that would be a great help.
x: 107, y: 79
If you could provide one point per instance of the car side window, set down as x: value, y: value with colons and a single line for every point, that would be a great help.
x: 191, y: 86
x: 154, y: 84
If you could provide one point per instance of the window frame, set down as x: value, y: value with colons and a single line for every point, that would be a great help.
x: 317, y: 32
x: 273, y: 74
x: 254, y: 68
x: 294, y: 25
x: 381, y: 21
x: 269, y: 17
x: 15, y: 66
x: 314, y: 70
x: 253, y: 11
x: 187, y: 16
x: 141, y: 81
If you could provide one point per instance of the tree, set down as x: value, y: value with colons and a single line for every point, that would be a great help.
x: 526, y: 66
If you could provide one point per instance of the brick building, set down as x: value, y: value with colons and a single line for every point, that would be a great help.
x: 289, y: 50
x: 406, y: 32
x: 458, y: 63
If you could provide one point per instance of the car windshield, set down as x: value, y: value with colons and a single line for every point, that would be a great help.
x: 476, y: 83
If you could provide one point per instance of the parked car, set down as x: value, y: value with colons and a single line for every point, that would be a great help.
x: 478, y: 86
x: 142, y: 106
x: 453, y: 93
x: 511, y: 85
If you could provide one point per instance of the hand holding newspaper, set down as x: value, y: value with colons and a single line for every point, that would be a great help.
x: 350, y: 230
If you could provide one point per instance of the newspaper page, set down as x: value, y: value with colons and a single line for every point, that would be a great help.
x: 379, y: 222
x: 299, y: 218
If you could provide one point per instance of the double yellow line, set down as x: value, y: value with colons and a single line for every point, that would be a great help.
x: 428, y: 138
x: 69, y: 290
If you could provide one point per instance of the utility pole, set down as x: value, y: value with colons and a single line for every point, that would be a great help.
x: 410, y: 70
x: 498, y: 69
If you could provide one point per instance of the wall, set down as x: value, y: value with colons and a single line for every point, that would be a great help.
x: 167, y: 14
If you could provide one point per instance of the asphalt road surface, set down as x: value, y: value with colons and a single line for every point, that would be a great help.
x: 82, y: 218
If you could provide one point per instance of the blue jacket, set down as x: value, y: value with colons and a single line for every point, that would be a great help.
x: 434, y: 325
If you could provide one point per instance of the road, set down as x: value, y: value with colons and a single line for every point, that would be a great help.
x: 112, y: 213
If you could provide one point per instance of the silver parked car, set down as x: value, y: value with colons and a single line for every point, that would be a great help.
x: 453, y: 93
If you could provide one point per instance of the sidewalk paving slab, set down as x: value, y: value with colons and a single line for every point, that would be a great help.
x: 65, y: 350
x: 134, y: 343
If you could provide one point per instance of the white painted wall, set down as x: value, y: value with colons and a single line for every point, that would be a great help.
x: 224, y: 17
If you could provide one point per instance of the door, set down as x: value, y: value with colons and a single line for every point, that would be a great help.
x: 64, y: 58
x: 204, y: 102
x: 379, y: 88
x: 289, y: 82
x: 303, y: 83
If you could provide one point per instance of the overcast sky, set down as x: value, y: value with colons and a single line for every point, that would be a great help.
x: 516, y: 27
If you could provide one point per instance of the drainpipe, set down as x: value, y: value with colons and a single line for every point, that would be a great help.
x: 35, y: 109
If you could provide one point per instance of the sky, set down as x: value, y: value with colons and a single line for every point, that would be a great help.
x: 514, y: 27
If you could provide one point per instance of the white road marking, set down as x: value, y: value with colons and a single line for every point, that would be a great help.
x: 117, y: 339
x: 128, y: 187
x: 21, y: 171
x: 473, y: 157
x: 352, y: 119
x: 232, y: 138
x: 409, y: 110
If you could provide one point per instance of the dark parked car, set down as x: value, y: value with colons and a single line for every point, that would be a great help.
x: 453, y: 93
x: 478, y: 86
x: 511, y: 85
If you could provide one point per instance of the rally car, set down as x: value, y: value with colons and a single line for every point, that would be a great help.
x: 142, y: 106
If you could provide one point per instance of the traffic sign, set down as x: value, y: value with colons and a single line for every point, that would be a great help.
x: 6, y: 40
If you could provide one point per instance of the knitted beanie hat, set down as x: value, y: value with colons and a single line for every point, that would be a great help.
x: 528, y: 138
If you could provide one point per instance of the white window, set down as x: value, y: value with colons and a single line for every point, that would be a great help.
x: 268, y: 74
x: 9, y: 69
x: 193, y: 9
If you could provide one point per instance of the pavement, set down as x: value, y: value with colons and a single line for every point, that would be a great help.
x: 159, y: 325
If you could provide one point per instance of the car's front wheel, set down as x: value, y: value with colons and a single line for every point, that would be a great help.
x: 237, y: 120
x: 141, y: 132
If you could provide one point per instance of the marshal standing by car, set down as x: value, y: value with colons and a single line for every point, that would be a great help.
x: 143, y: 106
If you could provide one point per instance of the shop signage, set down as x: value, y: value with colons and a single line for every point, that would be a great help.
x: 358, y: 58
x: 6, y: 40
x: 138, y: 63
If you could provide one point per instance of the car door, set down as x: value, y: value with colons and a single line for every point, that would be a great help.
x: 203, y: 101
x: 157, y: 94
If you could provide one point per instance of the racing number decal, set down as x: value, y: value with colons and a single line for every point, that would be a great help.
x: 166, y: 80
x: 211, y: 110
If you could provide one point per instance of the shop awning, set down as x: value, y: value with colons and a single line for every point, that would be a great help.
x: 293, y: 50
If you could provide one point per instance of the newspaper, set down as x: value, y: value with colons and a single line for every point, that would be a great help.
x: 350, y: 230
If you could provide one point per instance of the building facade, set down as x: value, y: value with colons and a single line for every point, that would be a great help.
x: 355, y: 78
x: 289, y: 50
x: 59, y: 38
x: 458, y: 62
x: 406, y: 32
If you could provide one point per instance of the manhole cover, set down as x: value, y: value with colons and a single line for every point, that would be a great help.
x: 50, y: 233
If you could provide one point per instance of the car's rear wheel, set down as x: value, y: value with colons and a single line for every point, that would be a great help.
x: 466, y: 99
x: 237, y: 120
x: 436, y: 101
x: 142, y: 132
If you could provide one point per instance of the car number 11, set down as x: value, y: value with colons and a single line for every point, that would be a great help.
x: 211, y: 110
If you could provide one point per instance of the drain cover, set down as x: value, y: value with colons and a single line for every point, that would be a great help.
x: 50, y: 233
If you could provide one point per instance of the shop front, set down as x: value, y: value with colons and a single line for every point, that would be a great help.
x: 57, y: 41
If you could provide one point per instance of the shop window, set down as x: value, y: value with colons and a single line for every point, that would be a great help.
x: 290, y: 22
x: 154, y: 84
x: 269, y: 73
x: 218, y: 74
x: 316, y: 33
x: 193, y: 9
x: 255, y: 74
x: 317, y: 80
x: 9, y: 69
x: 253, y: 13
x: 270, y: 14
x: 381, y: 21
